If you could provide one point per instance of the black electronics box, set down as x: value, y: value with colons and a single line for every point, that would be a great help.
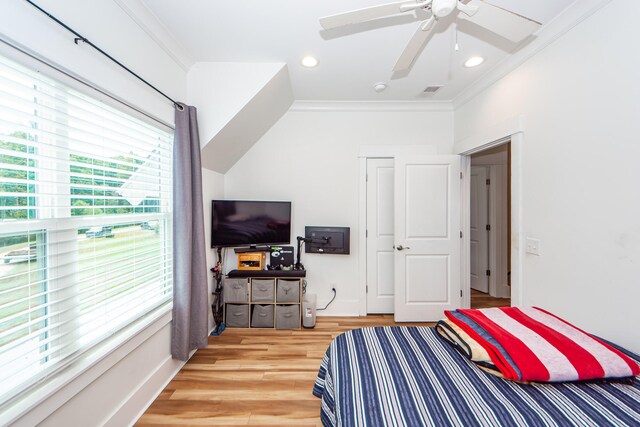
x: 281, y: 256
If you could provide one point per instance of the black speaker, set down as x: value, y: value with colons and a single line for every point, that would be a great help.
x: 281, y: 256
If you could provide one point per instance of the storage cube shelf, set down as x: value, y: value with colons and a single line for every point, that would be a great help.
x: 262, y: 302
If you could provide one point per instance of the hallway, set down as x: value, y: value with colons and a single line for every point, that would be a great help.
x: 482, y: 300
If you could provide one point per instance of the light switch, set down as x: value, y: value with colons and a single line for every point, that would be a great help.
x: 533, y: 246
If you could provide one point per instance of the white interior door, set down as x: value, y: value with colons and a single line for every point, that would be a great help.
x: 479, y: 235
x: 427, y: 237
x: 380, y: 288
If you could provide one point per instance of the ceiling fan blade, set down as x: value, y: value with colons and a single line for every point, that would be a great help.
x: 362, y: 15
x: 412, y: 49
x: 469, y: 10
x: 504, y: 23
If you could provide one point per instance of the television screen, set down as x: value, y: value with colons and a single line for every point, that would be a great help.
x: 244, y: 222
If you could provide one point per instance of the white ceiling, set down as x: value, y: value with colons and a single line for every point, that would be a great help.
x: 352, y: 59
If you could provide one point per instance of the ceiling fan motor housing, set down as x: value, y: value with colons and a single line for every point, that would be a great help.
x: 442, y: 8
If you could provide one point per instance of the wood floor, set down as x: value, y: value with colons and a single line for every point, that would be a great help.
x: 482, y: 300
x: 260, y: 376
x: 253, y: 377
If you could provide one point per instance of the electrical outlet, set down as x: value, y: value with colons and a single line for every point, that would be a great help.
x: 532, y: 246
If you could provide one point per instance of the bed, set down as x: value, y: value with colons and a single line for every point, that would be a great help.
x: 409, y: 376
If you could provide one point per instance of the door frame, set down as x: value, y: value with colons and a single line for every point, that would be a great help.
x: 509, y: 130
x: 375, y: 152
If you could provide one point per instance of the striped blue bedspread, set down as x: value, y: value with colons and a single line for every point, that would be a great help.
x: 408, y: 376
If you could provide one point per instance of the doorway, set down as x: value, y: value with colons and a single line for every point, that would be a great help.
x: 509, y: 131
x: 412, y: 235
x: 490, y: 227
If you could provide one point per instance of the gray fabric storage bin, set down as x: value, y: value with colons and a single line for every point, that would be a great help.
x: 262, y: 316
x: 237, y: 315
x: 288, y: 290
x: 287, y: 316
x: 262, y: 290
x: 235, y: 290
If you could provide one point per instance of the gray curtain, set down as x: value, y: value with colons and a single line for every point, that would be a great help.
x: 190, y: 289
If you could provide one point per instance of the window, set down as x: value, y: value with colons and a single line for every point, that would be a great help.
x: 85, y: 232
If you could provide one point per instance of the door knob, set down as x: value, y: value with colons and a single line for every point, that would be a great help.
x: 400, y: 247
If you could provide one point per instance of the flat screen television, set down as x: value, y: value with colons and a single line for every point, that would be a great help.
x: 247, y: 223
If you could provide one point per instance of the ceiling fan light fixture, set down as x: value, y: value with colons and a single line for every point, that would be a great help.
x: 474, y: 61
x: 309, y: 61
x: 442, y: 8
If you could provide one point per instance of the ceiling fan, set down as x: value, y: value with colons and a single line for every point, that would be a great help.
x: 495, y: 19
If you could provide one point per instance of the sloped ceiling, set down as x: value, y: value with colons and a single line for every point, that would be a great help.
x: 237, y: 104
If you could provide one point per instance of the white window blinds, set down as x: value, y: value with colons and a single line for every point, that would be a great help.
x: 85, y: 233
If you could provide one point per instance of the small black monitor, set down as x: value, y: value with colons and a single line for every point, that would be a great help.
x: 327, y: 240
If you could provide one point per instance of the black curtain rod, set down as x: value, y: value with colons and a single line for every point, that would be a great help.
x: 81, y: 38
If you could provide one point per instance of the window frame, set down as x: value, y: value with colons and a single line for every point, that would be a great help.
x: 140, y: 328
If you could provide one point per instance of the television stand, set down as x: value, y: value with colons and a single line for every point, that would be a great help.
x: 263, y: 298
x: 267, y: 273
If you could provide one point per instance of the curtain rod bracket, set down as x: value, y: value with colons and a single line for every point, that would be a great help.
x: 80, y: 39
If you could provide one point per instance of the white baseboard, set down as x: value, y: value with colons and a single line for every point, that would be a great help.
x: 346, y: 308
x: 139, y: 400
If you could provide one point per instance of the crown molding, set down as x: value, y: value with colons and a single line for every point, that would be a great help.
x: 576, y: 13
x: 371, y: 106
x: 151, y: 24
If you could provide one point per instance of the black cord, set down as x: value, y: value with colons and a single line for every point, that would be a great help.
x: 335, y: 293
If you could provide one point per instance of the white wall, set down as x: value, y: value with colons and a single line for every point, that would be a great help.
x: 115, y: 389
x: 580, y: 99
x: 311, y: 159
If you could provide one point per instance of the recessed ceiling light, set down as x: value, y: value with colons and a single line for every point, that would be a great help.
x: 309, y: 61
x: 474, y: 61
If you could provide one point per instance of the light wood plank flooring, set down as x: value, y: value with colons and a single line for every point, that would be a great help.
x: 482, y: 300
x: 253, y: 377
